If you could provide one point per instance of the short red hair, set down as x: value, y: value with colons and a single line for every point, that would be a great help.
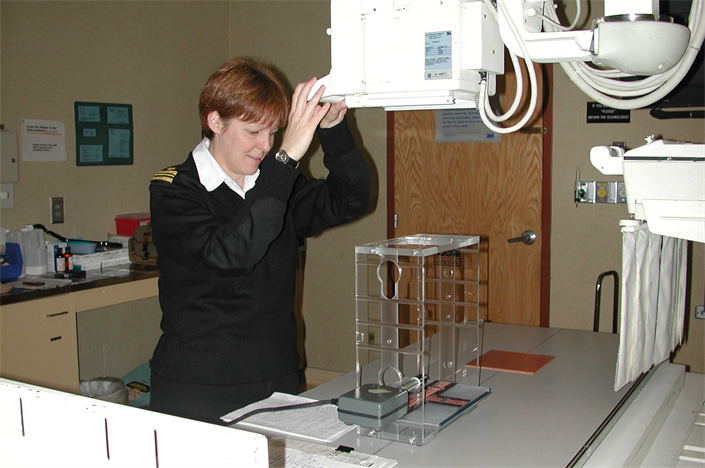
x: 244, y: 89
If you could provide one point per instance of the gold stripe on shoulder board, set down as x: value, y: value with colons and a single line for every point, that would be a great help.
x: 167, y: 175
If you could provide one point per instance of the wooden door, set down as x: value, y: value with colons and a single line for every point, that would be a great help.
x: 494, y: 190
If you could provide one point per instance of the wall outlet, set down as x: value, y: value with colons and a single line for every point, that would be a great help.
x: 700, y: 312
x: 57, y: 210
x: 7, y: 195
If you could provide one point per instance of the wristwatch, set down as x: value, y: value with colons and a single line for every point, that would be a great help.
x: 282, y: 157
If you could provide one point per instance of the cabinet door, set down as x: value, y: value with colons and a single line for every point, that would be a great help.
x: 38, y: 343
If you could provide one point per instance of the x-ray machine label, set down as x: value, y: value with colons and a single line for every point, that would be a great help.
x: 439, y: 53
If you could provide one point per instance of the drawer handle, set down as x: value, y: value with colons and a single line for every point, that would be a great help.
x: 58, y: 313
x: 56, y: 338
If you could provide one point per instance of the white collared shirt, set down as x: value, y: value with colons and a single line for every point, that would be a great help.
x: 212, y: 175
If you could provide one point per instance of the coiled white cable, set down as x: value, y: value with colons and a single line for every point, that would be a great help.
x: 483, y: 96
x: 554, y: 22
x: 519, y: 92
x: 606, y: 87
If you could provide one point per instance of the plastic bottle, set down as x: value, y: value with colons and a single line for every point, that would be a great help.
x: 60, y: 261
x: 69, y: 259
x: 16, y: 237
x: 34, y: 251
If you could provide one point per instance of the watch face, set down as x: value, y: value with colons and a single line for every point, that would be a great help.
x: 282, y: 157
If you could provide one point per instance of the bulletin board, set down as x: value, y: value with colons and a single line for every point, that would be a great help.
x: 104, y: 134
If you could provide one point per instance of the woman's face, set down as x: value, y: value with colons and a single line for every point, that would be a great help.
x: 240, y: 146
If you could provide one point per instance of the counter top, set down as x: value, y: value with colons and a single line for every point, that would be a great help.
x: 94, y: 279
x: 540, y: 419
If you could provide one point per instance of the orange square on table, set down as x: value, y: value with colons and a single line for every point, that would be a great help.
x: 523, y: 363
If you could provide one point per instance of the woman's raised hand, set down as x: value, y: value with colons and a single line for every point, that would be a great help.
x: 304, y: 117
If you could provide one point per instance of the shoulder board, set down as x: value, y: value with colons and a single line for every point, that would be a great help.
x: 167, y: 175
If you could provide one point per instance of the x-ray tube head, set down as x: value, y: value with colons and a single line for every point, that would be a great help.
x: 639, y: 44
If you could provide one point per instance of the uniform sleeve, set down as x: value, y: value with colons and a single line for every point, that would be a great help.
x: 219, y: 232
x: 344, y: 195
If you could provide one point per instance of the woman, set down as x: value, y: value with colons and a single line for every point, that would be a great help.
x: 225, y: 224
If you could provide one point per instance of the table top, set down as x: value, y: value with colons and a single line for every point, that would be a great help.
x: 96, y: 278
x: 540, y: 419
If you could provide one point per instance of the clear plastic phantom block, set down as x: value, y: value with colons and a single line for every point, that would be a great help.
x: 418, y: 326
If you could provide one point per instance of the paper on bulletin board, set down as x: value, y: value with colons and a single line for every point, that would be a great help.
x: 463, y: 125
x: 43, y: 140
x: 104, y: 134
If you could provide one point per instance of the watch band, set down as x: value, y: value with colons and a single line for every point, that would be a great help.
x: 282, y: 157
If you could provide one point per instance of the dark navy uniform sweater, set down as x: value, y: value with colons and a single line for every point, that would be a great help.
x: 228, y: 264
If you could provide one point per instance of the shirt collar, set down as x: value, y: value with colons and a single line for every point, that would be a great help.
x: 212, y: 175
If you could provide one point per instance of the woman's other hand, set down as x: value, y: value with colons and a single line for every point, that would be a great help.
x: 335, y: 114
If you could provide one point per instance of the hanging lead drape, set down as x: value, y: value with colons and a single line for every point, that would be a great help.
x: 653, y: 300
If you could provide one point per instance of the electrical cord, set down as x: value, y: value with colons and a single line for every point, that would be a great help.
x: 64, y: 239
x: 332, y: 401
x: 51, y: 233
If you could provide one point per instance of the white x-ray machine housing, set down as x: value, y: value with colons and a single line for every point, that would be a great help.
x: 443, y: 54
x: 426, y: 54
x: 665, y: 184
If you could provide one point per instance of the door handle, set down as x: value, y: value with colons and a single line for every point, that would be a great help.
x: 527, y: 237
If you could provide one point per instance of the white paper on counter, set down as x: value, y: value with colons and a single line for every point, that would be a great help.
x: 289, y: 453
x: 317, y: 423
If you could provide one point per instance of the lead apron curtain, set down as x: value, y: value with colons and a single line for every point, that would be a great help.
x: 653, y: 301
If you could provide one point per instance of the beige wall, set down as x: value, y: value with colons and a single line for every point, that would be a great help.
x: 157, y: 55
x: 153, y: 55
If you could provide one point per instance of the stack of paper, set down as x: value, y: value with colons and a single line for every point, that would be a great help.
x: 317, y: 424
x: 288, y: 453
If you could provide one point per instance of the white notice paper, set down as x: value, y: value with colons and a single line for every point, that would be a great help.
x: 43, y: 140
x: 463, y: 125
x: 317, y: 423
x: 289, y: 453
